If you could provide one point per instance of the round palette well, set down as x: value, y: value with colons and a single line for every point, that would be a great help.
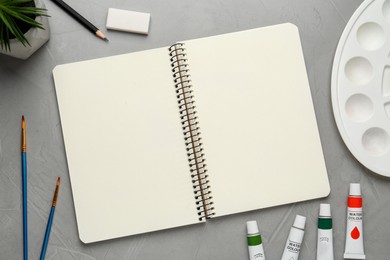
x: 361, y: 85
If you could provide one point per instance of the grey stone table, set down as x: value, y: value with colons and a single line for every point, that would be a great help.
x: 27, y: 88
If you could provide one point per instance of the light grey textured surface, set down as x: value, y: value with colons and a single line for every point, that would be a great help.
x: 26, y: 87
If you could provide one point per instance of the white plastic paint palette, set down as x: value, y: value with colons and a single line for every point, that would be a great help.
x: 361, y: 85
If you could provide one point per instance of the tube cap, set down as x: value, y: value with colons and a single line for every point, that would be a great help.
x: 354, y: 189
x: 325, y: 210
x: 299, y: 222
x: 252, y: 227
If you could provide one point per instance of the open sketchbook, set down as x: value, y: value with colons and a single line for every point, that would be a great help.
x: 203, y: 128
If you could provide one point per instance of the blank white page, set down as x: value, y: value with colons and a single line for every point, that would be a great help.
x: 259, y: 132
x: 124, y: 143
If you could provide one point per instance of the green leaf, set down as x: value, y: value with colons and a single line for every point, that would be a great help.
x: 12, y: 11
x: 25, y: 18
x: 18, y: 33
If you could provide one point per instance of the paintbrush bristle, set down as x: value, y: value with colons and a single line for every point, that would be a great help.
x: 56, y: 193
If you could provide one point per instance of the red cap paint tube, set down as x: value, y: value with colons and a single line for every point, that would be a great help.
x: 255, y: 246
x: 354, y: 236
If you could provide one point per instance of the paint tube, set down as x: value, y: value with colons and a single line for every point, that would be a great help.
x: 255, y: 246
x: 325, y: 234
x: 294, y: 240
x: 354, y: 235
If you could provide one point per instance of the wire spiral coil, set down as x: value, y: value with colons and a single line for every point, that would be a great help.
x: 189, y: 121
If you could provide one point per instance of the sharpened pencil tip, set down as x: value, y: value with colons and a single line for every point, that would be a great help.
x: 58, y: 181
x: 101, y: 35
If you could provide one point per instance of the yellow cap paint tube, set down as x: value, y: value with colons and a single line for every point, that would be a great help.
x: 255, y: 246
x: 325, y: 234
x: 354, y: 248
x: 294, y: 240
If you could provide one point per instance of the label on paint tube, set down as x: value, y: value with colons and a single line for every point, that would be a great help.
x: 355, y: 225
x: 355, y: 215
x: 293, y: 244
x: 325, y: 244
x: 354, y: 239
x: 293, y: 247
x: 256, y: 252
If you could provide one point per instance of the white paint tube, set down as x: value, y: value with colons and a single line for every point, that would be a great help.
x: 294, y: 240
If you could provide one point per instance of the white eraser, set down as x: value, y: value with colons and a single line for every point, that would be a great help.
x: 128, y: 21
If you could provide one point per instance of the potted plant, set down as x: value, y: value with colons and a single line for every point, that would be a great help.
x: 24, y: 27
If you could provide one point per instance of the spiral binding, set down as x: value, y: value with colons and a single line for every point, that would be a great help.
x: 189, y: 121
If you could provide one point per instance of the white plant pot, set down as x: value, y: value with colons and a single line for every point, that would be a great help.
x: 35, y: 36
